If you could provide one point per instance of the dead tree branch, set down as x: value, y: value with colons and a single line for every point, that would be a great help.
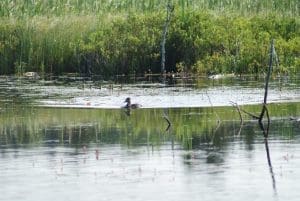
x: 242, y: 110
x: 264, y: 109
x: 168, y: 121
x: 170, y: 9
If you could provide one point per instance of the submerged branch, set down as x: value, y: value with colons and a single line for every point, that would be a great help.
x: 219, y: 120
x: 265, y: 131
x: 218, y: 126
x: 242, y: 110
x: 166, y: 117
x: 240, y: 114
x: 168, y: 121
x: 250, y: 114
x: 239, y: 110
x: 264, y: 107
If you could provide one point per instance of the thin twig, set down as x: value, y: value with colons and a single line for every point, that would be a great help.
x: 218, y: 126
x: 246, y: 112
x: 276, y: 57
x: 241, y: 117
x: 250, y: 114
x: 219, y: 120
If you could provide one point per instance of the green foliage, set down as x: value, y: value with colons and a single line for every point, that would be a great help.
x: 222, y: 44
x: 121, y: 37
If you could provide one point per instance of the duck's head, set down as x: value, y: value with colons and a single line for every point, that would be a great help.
x: 127, y: 100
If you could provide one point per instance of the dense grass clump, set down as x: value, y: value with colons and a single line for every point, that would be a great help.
x: 119, y: 37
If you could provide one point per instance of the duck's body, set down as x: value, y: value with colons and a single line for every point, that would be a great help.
x: 129, y: 105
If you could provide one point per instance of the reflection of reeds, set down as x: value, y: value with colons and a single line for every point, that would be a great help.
x: 24, y: 125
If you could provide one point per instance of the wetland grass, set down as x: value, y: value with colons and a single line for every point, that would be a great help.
x: 82, y: 7
x: 123, y: 37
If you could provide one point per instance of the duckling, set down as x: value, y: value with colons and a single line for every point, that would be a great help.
x: 129, y: 105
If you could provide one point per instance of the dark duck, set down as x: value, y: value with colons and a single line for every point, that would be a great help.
x: 129, y: 105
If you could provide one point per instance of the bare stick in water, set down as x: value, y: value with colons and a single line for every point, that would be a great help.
x: 267, y: 82
x: 264, y: 107
x: 170, y: 9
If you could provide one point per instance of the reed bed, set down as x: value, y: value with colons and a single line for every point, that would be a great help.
x: 61, y: 7
x: 123, y: 37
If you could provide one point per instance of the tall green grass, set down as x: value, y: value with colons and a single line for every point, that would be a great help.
x: 23, y: 8
x: 109, y: 37
x: 39, y: 42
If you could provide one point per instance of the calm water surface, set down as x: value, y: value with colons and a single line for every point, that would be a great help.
x: 104, y: 154
x: 177, y: 94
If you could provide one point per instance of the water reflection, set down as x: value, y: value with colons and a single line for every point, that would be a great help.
x: 270, y: 165
x: 196, y: 128
x: 265, y: 131
x: 105, y: 153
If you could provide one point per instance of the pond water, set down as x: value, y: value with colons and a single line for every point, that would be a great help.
x: 177, y: 93
x: 67, y: 153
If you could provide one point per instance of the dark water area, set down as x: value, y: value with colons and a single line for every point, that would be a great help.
x: 95, y: 153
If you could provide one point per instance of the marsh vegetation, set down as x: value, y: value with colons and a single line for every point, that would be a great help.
x: 109, y: 38
x: 67, y: 136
